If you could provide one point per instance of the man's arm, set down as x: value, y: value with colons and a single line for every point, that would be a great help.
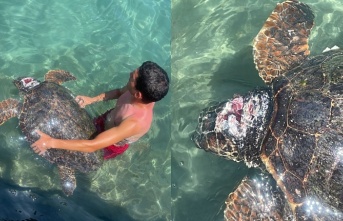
x: 110, y: 95
x: 114, y: 135
x: 113, y: 94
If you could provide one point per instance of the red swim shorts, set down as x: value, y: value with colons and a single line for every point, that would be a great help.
x: 113, y: 150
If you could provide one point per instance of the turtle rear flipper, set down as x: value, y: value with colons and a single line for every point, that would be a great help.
x: 257, y: 199
x: 282, y: 43
x: 58, y: 76
x: 8, y: 108
x: 68, y: 180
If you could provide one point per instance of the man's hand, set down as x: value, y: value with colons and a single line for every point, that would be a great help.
x: 83, y: 101
x: 41, y: 145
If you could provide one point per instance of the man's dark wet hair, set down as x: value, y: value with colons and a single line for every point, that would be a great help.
x: 152, y: 82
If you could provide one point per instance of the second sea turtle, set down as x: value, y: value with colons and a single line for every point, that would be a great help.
x: 292, y: 130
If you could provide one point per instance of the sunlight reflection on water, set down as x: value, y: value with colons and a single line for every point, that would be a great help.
x: 100, y: 42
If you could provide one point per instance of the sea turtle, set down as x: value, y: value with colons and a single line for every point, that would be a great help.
x: 291, y: 129
x: 49, y: 107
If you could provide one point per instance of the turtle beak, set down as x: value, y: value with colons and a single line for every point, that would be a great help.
x: 17, y: 83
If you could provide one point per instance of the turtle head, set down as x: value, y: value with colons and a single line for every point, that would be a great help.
x: 26, y: 84
x: 235, y: 128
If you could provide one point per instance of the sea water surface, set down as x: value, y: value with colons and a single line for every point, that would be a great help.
x: 211, y: 61
x: 100, y: 42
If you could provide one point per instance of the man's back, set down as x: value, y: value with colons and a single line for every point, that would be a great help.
x: 126, y: 109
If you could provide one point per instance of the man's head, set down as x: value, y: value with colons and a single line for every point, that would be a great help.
x: 152, y: 81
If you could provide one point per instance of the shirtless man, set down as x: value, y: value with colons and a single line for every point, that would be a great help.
x: 129, y: 120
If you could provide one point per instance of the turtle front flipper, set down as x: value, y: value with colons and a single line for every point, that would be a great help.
x: 260, y: 199
x: 68, y: 180
x: 8, y: 108
x: 257, y: 199
x: 59, y: 76
x: 282, y: 43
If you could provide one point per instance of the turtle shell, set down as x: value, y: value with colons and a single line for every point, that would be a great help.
x: 50, y: 108
x: 304, y: 146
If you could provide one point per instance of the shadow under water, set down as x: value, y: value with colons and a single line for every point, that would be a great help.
x: 20, y: 203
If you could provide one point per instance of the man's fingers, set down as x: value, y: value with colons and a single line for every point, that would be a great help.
x: 80, y: 101
x: 38, y: 151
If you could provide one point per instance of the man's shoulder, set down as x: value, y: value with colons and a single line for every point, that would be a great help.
x: 123, y: 90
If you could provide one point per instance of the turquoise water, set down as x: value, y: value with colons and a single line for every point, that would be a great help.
x: 100, y: 42
x: 211, y: 61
